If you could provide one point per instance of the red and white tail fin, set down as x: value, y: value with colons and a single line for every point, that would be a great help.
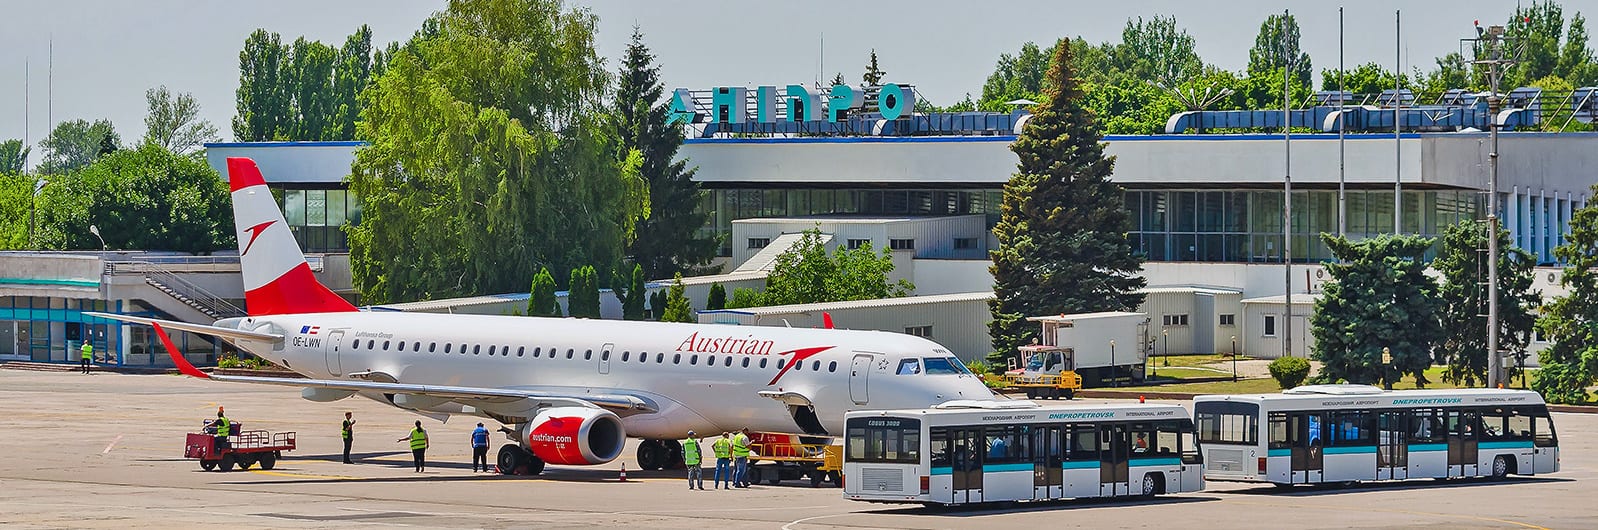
x: 277, y: 280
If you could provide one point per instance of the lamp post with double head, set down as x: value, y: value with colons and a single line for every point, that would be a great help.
x: 33, y: 207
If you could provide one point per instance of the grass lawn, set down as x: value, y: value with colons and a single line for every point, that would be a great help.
x: 1244, y: 386
x: 1188, y: 360
x: 1188, y: 373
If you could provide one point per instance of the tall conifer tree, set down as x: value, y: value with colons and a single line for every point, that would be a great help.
x: 1062, y: 233
x: 669, y: 239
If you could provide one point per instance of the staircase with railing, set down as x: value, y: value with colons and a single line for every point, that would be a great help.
x: 174, y: 286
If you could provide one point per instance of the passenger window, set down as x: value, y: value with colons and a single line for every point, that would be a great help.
x: 781, y: 362
x: 676, y: 359
x: 400, y: 346
x: 762, y: 362
x: 477, y: 349
x: 588, y: 355
x: 624, y: 355
x: 710, y: 361
x: 521, y: 350
x: 693, y: 359
x: 356, y: 345
x: 416, y: 346
x: 728, y: 363
x: 815, y: 366
x: 832, y: 366
x: 660, y: 358
x: 909, y: 367
x: 463, y: 348
x: 537, y: 351
x: 746, y: 362
x: 490, y: 349
x: 385, y: 345
x: 447, y: 347
x: 432, y: 347
x: 570, y: 352
x: 370, y: 344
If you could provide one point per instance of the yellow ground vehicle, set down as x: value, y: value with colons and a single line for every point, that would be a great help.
x: 775, y: 459
x: 1045, y: 372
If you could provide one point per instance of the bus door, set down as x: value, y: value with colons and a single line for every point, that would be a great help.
x: 1305, y: 432
x: 1392, y: 451
x: 970, y: 446
x: 1048, y: 480
x: 1463, y: 432
x: 1115, y: 441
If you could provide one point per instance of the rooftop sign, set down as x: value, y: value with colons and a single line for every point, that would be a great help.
x: 795, y: 103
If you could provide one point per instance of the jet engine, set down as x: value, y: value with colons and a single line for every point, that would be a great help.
x: 575, y: 435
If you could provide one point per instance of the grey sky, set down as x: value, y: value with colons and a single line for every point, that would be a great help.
x: 108, y: 53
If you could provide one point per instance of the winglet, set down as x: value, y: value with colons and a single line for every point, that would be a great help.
x: 177, y: 358
x: 826, y: 320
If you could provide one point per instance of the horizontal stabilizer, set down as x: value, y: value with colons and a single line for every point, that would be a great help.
x: 192, y: 328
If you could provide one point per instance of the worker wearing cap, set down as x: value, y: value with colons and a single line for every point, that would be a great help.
x: 88, y: 355
x: 740, y: 458
x: 480, y: 447
x: 690, y: 458
x: 723, y: 450
x: 418, y: 440
x: 224, y: 428
x: 348, y: 432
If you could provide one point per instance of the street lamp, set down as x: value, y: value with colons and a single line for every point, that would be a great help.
x: 1387, y: 358
x: 1115, y: 379
x: 96, y: 231
x: 1166, y: 360
x: 33, y: 206
x: 1234, y: 358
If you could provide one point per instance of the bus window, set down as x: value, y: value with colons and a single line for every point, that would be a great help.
x: 1003, y: 447
x: 940, y: 447
x: 1082, y: 443
x: 1227, y: 422
x: 1167, y: 439
x: 1352, y: 429
x: 1278, y: 428
x: 909, y: 367
x: 1189, y: 449
x: 884, y: 440
x: 1542, y: 429
x: 1428, y: 427
x: 1505, y: 424
x: 1143, y: 439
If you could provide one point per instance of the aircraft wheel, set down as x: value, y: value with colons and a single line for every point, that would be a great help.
x: 510, y: 458
x: 673, y: 453
x: 535, y: 465
x: 650, y: 455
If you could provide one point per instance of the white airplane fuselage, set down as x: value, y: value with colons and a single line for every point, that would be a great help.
x: 705, y: 378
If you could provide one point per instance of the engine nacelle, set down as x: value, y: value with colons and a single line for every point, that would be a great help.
x: 575, y: 435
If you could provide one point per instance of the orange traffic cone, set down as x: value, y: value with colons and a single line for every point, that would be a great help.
x: 1140, y: 398
x: 624, y: 472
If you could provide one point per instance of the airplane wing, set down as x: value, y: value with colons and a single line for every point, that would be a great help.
x: 620, y: 403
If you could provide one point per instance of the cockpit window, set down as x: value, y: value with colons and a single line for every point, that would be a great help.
x: 944, y: 366
x: 909, y: 367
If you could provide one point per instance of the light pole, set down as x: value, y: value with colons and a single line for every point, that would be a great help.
x: 1495, y: 62
x: 33, y: 206
x: 96, y: 231
x: 1166, y: 358
x: 1234, y: 358
x: 1114, y: 379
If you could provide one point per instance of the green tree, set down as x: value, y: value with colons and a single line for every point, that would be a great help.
x: 1018, y: 76
x: 1570, y: 323
x: 13, y: 157
x: 1537, y: 31
x: 1368, y: 78
x: 1062, y: 229
x: 1275, y: 47
x: 351, y: 75
x: 874, y: 73
x: 657, y: 304
x: 717, y: 298
x: 16, y: 193
x: 145, y: 198
x: 677, y: 306
x: 1451, y: 72
x: 174, y: 121
x: 1379, y: 297
x: 744, y: 297
x: 632, y: 298
x: 542, y: 302
x: 671, y: 237
x: 1130, y: 106
x: 1157, y: 51
x: 1464, y: 297
x: 582, y: 293
x: 263, y: 99
x: 75, y: 144
x: 309, y: 74
x: 489, y: 157
x: 806, y: 274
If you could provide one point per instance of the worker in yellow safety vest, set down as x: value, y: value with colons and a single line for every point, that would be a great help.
x: 88, y: 355
x: 723, y: 450
x: 690, y: 458
x: 740, y: 458
x: 418, y: 440
x: 224, y: 428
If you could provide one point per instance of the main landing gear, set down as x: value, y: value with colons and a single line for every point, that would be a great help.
x: 514, y: 460
x: 660, y: 454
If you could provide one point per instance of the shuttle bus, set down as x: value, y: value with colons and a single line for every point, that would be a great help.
x: 1349, y: 433
x: 993, y: 451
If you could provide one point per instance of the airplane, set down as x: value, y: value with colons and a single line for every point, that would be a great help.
x: 568, y: 391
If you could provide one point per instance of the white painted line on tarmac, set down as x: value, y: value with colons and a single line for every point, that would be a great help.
x: 112, y: 444
x: 790, y: 524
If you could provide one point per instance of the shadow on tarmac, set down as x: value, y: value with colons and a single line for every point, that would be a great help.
x: 552, y: 473
x: 973, y: 510
x: 1396, y: 485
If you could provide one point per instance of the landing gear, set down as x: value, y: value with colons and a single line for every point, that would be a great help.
x: 659, y: 454
x: 514, y: 460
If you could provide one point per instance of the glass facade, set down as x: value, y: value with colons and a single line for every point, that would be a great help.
x: 316, y: 216
x: 51, y: 329
x: 1239, y: 226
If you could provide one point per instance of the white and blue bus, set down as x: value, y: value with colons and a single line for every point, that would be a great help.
x: 995, y: 451
x: 1349, y: 433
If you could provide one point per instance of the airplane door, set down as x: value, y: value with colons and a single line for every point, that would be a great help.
x: 858, y: 371
x: 335, y: 341
x: 604, y: 358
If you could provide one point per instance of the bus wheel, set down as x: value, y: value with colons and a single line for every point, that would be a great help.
x: 1151, y: 484
x: 1500, y: 467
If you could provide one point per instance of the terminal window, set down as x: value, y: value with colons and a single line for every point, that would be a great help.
x: 1176, y: 320
x: 919, y: 331
x: 1270, y: 325
x: 965, y: 243
x: 1228, y: 320
x: 902, y: 244
x: 759, y: 242
x: 857, y: 243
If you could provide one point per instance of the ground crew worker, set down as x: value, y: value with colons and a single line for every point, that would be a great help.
x: 348, y: 432
x: 88, y: 355
x: 723, y: 450
x: 740, y: 458
x: 418, y: 440
x: 223, y: 429
x: 690, y: 458
x: 480, y: 447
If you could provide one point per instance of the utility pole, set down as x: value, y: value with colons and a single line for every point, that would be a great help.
x: 1398, y: 143
x: 1495, y: 61
x: 1287, y: 191
x: 1342, y: 118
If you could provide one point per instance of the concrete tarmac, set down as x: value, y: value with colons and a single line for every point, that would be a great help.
x: 105, y: 451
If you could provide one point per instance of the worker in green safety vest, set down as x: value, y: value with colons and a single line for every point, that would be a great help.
x: 224, y: 428
x: 349, y: 434
x: 740, y: 459
x: 418, y: 440
x: 88, y: 355
x: 690, y: 458
x: 723, y: 450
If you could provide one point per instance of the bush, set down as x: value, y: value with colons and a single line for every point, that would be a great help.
x: 1289, y: 371
x: 978, y: 367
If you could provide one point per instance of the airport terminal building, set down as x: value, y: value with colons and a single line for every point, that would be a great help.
x: 1206, y: 209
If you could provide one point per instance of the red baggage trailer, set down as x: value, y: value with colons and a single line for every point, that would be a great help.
x: 245, y: 449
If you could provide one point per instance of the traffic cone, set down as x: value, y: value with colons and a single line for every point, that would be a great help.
x: 623, y: 472
x: 1140, y: 398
